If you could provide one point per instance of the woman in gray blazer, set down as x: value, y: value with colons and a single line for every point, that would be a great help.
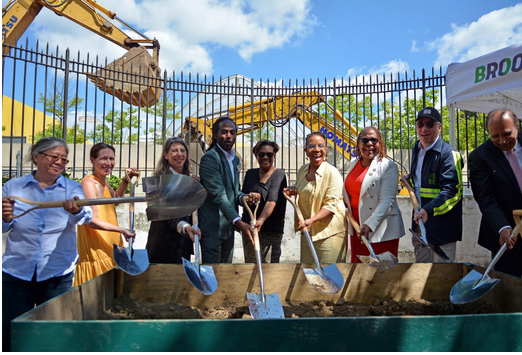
x: 370, y: 196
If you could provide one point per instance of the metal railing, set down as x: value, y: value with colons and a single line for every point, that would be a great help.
x: 48, y: 93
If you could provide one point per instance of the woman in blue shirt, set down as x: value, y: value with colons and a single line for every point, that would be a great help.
x: 40, y: 254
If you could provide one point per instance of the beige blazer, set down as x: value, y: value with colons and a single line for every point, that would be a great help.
x: 327, y: 194
x: 378, y: 207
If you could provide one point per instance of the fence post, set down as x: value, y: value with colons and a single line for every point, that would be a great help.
x: 65, y: 96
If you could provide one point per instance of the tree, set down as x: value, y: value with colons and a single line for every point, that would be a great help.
x: 73, y: 135
x: 398, y: 125
x: 55, y: 104
x: 117, y: 127
x: 156, y: 111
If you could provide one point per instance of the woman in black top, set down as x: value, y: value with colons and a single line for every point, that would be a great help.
x: 172, y: 239
x: 269, y: 182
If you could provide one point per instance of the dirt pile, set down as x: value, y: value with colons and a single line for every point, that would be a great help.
x: 127, y: 308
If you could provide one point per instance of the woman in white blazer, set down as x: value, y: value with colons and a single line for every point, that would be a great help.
x: 370, y: 196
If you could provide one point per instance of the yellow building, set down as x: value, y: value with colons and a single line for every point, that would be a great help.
x: 13, y: 114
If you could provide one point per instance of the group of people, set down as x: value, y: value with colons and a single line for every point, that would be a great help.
x: 46, y: 251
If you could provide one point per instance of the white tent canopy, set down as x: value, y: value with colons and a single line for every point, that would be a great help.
x: 492, y: 81
x: 488, y: 82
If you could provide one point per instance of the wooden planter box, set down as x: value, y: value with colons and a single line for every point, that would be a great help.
x: 70, y: 322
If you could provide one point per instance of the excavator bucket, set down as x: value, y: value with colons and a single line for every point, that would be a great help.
x: 135, y: 78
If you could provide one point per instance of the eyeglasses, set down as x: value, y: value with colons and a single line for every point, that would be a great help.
x: 312, y: 146
x: 428, y: 124
x: 55, y: 158
x: 268, y: 155
x: 366, y: 140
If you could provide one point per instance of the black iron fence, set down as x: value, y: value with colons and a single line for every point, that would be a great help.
x: 48, y: 92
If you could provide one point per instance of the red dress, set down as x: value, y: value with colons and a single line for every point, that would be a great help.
x: 352, y: 185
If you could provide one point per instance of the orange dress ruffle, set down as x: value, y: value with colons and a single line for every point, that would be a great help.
x: 95, y: 246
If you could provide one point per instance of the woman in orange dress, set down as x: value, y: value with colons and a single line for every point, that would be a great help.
x: 95, y: 240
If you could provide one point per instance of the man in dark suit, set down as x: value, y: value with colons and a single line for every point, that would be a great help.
x: 497, y: 186
x: 219, y: 172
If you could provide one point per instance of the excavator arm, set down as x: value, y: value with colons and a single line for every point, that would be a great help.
x: 144, y: 89
x: 278, y: 110
x: 19, y: 14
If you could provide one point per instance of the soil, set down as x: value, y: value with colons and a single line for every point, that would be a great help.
x: 127, y: 308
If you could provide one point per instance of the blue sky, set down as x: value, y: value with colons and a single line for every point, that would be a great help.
x: 301, y: 39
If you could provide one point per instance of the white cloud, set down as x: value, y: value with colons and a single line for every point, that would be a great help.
x: 414, y: 47
x: 188, y: 30
x: 493, y: 31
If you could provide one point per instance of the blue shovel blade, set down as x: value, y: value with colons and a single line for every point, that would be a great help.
x: 203, y: 279
x: 272, y: 308
x: 132, y: 266
x: 330, y: 284
x: 469, y: 288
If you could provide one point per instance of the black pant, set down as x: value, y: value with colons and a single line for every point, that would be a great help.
x: 20, y: 296
x: 511, y: 261
x: 215, y: 250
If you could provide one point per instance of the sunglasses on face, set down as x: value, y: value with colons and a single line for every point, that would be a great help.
x: 366, y: 140
x: 268, y: 155
x: 55, y: 158
x: 428, y: 124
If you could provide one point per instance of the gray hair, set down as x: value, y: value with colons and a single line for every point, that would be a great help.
x: 45, y: 144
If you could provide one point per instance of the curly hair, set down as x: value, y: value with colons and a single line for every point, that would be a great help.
x: 381, y: 149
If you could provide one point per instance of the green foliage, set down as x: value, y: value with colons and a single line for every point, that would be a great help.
x: 68, y: 176
x: 116, y: 182
x: 118, y: 127
x: 54, y: 104
x: 73, y: 135
x: 156, y: 132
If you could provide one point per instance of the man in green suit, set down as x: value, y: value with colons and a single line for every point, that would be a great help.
x: 218, y: 215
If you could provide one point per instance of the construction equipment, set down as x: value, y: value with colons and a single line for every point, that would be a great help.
x: 340, y: 133
x: 278, y: 110
x: 142, y: 85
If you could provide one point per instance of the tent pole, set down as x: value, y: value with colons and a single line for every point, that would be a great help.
x: 452, y: 125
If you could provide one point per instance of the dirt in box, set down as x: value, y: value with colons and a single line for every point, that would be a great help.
x: 127, y: 308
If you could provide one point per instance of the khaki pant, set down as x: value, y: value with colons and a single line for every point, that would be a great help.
x: 329, y: 251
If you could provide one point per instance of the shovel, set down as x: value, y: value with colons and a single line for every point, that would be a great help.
x: 262, y: 306
x: 422, y: 238
x: 328, y: 280
x: 133, y: 262
x: 475, y: 285
x: 201, y: 277
x: 167, y: 197
x: 384, y: 260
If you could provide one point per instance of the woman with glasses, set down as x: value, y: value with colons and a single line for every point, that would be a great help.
x: 269, y: 181
x: 170, y: 240
x: 95, y: 240
x: 370, y: 196
x: 40, y: 251
x: 319, y: 185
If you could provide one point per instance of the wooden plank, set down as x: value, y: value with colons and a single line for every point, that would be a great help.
x: 167, y: 283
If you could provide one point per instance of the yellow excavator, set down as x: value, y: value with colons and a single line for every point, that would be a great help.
x: 278, y: 111
x: 142, y: 89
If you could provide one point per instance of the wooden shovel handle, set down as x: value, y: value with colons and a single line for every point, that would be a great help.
x: 414, y: 201
x: 354, y: 223
x: 297, y: 209
x: 257, y: 245
x: 128, y: 171
x: 517, y: 214
x: 84, y: 202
